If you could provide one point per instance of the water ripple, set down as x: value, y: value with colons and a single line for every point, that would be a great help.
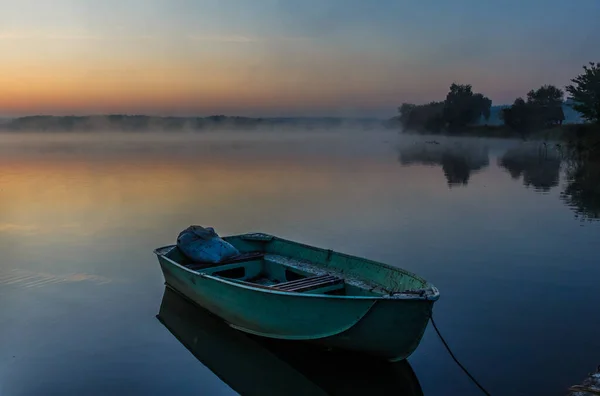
x: 24, y: 278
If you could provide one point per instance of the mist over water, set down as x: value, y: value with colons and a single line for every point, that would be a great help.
x: 490, y: 222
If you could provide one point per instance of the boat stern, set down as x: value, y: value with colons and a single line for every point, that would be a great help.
x: 392, y: 329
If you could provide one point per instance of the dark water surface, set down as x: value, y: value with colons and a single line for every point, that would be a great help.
x: 491, y: 223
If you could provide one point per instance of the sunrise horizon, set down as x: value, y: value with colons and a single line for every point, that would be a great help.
x: 281, y: 59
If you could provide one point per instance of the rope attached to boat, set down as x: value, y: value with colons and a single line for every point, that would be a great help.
x: 455, y: 359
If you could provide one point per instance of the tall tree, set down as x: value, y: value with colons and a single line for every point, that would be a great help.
x: 516, y: 116
x: 546, y: 95
x: 457, y: 110
x: 483, y: 105
x: 585, y: 92
x: 463, y: 107
x: 545, y: 106
x: 543, y: 109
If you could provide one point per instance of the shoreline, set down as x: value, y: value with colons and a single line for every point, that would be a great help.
x: 556, y: 133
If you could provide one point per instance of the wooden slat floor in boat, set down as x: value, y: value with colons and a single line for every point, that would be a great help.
x: 312, y: 268
x: 310, y: 283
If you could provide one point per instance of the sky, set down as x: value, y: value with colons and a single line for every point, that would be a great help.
x: 349, y: 58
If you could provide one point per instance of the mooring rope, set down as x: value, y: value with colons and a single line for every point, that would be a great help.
x: 454, y: 357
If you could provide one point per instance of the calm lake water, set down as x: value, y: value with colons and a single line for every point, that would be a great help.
x: 491, y: 223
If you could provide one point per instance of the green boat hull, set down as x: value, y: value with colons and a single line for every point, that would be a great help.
x: 253, y: 365
x: 390, y: 326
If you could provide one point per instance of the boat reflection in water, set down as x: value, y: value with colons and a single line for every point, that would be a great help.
x: 253, y: 365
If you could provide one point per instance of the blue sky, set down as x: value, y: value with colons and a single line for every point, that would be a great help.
x: 268, y: 57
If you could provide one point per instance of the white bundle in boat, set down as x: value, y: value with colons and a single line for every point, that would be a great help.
x: 204, y: 244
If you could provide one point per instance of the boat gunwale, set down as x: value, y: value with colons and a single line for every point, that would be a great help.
x: 434, y: 296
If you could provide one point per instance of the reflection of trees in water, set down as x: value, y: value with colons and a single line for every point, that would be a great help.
x: 458, y: 161
x: 582, y: 190
x: 539, y: 166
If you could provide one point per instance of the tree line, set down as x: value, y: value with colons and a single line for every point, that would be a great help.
x: 542, y: 108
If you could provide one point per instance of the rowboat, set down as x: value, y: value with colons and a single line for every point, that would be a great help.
x: 282, y: 289
x: 256, y: 366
